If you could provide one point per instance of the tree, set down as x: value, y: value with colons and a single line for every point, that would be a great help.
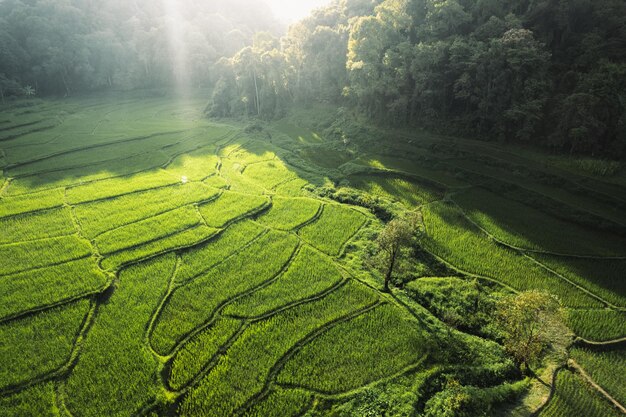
x: 530, y: 321
x: 397, y: 235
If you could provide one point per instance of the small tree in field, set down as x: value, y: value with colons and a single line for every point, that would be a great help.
x: 530, y: 321
x: 397, y: 235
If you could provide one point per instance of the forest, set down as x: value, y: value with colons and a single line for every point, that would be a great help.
x: 548, y: 73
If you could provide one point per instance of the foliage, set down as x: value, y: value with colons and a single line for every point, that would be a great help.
x: 530, y: 321
x: 463, y: 304
x: 397, y: 235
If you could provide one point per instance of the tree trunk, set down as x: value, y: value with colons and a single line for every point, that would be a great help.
x: 256, y: 88
x: 388, y: 275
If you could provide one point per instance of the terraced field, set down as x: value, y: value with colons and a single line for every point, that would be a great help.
x: 155, y: 263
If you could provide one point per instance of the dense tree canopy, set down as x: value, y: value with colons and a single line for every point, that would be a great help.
x: 70, y: 46
x: 544, y: 72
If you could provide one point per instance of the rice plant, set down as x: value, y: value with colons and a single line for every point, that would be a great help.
x: 98, y: 217
x: 200, y: 259
x: 309, y: 274
x: 195, y: 166
x: 573, y: 395
x: 30, y: 290
x: 38, y: 225
x: 333, y: 229
x: 38, y: 400
x: 289, y: 213
x: 25, y: 203
x: 116, y: 372
x: 375, y: 345
x: 597, y: 325
x: 179, y: 240
x: 230, y: 207
x: 603, y: 277
x: 525, y: 227
x: 39, y: 344
x: 40, y: 253
x: 607, y: 369
x: 115, y: 187
x: 193, y: 304
x: 237, y: 378
x: 149, y: 230
x: 453, y: 238
x: 282, y: 403
x: 198, y: 352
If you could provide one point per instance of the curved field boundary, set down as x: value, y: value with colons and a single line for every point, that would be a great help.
x: 40, y: 309
x: 69, y: 365
x: 28, y: 132
x: 350, y: 393
x: 531, y: 251
x: 217, y: 310
x: 576, y: 367
x: 581, y: 288
x: 230, y: 255
x: 294, y: 304
x: 609, y: 344
x: 163, y: 252
x: 91, y: 147
x: 280, y: 363
x: 547, y: 268
x: 252, y: 213
x: 209, y: 200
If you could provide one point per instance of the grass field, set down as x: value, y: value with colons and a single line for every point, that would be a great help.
x: 157, y: 263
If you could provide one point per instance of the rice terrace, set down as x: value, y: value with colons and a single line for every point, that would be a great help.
x: 282, y: 244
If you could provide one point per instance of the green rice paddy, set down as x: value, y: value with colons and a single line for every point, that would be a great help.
x: 156, y: 263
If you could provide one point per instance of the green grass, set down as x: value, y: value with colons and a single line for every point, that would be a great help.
x: 607, y: 369
x: 281, y: 403
x: 526, y: 227
x: 39, y: 344
x: 38, y: 225
x: 149, y: 230
x: 198, y: 352
x: 309, y: 274
x: 35, y: 289
x: 333, y: 229
x: 179, y: 240
x: 603, y: 277
x: 409, y: 193
x: 195, y: 166
x: 102, y: 171
x: 115, y: 187
x: 597, y: 325
x: 289, y: 213
x: 453, y: 238
x: 192, y: 305
x: 375, y: 345
x: 574, y: 396
x: 10, y: 206
x: 269, y: 174
x: 99, y: 217
x: 231, y: 206
x: 200, y: 259
x: 236, y: 379
x: 36, y: 401
x: 116, y: 372
x: 40, y: 253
